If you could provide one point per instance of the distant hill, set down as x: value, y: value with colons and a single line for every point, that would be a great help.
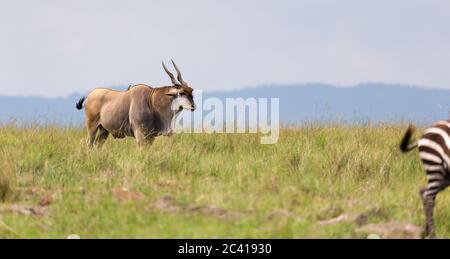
x: 40, y: 110
x: 374, y: 102
x: 298, y: 103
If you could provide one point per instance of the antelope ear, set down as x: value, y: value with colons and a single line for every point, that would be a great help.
x: 172, y: 92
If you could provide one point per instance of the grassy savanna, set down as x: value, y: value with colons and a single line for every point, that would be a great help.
x: 210, y: 185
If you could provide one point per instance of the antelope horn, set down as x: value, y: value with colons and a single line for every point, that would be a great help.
x: 180, y: 78
x: 170, y: 74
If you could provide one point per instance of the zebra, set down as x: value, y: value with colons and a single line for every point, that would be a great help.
x: 434, y: 151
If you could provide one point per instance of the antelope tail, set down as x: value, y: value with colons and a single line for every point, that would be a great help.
x: 405, y: 145
x: 80, y: 103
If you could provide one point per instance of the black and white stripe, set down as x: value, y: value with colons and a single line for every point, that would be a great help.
x: 434, y: 151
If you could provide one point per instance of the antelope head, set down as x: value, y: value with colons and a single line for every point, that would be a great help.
x: 180, y: 92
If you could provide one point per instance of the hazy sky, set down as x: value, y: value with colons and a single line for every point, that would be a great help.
x: 54, y: 48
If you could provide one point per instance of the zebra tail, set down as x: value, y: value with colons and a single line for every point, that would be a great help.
x: 405, y: 146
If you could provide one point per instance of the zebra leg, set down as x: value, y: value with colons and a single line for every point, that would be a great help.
x: 428, y: 204
x: 436, y: 183
x: 429, y: 201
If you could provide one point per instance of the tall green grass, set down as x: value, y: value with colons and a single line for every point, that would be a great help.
x: 278, y: 191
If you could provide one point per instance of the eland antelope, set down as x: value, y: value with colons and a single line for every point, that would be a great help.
x: 142, y: 112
